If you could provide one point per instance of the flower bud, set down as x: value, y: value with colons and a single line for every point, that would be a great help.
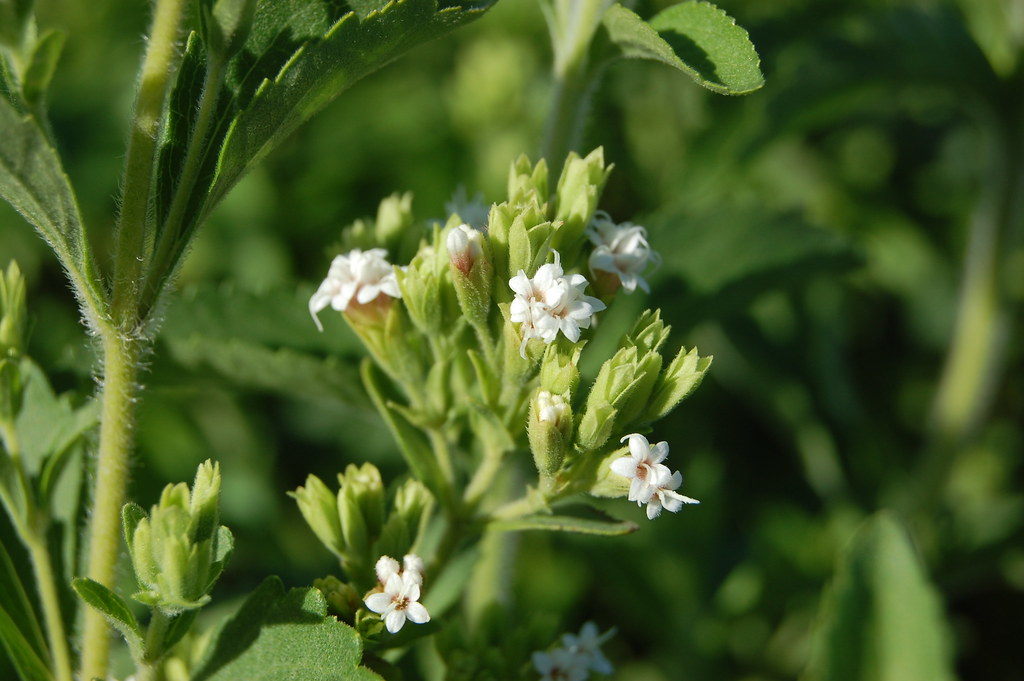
x: 319, y: 508
x: 342, y: 598
x: 421, y: 284
x: 527, y: 184
x: 558, y: 371
x: 12, y: 311
x: 550, y: 431
x: 360, y: 509
x: 579, y: 189
x: 472, y: 272
x: 394, y: 220
x: 528, y: 238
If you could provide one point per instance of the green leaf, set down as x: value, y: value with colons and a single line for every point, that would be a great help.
x: 679, y: 380
x: 14, y: 601
x: 32, y: 180
x: 278, y: 635
x: 25, y: 659
x: 560, y: 523
x: 694, y: 37
x: 42, y: 66
x: 299, y: 56
x: 881, y: 620
x: 114, y: 610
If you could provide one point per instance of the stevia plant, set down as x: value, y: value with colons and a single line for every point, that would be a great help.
x: 473, y: 347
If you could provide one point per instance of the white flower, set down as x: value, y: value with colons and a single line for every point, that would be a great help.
x: 651, y: 481
x: 551, y: 302
x: 399, y: 594
x: 621, y: 249
x: 587, y: 646
x: 362, y: 275
x: 550, y: 408
x: 464, y: 247
x: 560, y: 665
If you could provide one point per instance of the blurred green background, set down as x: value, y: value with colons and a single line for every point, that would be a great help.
x: 813, y: 234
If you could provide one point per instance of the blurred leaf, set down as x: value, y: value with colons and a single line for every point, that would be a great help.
x: 881, y: 619
x: 694, y: 37
x: 730, y: 257
x: 300, y: 54
x: 43, y: 65
x: 27, y: 661
x: 559, y: 523
x: 32, y: 180
x: 15, y: 604
x: 279, y: 635
x: 114, y: 610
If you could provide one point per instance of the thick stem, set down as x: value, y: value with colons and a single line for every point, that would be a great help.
x: 120, y: 367
x: 130, y: 258
x: 49, y: 598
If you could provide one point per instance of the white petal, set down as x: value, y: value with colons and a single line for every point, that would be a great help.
x: 378, y: 602
x: 659, y: 452
x: 521, y: 284
x: 416, y: 613
x: 639, y: 447
x: 624, y: 466
x: 394, y: 620
x: 385, y: 567
x: 653, y: 508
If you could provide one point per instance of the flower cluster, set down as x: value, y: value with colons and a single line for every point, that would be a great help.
x: 396, y: 598
x: 576, y: 658
x: 362, y: 275
x: 651, y: 482
x: 551, y: 302
x: 621, y: 250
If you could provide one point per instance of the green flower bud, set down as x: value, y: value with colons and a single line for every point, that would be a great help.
x: 412, y: 501
x: 529, y: 236
x: 420, y: 284
x: 319, y: 508
x: 342, y: 598
x: 579, y: 189
x: 527, y: 184
x: 12, y: 311
x: 558, y: 371
x: 394, y: 220
x: 649, y: 333
x: 471, y: 270
x: 179, y: 550
x: 499, y: 223
x: 225, y: 25
x: 360, y: 509
x: 595, y: 427
x: 682, y: 377
x: 549, y: 428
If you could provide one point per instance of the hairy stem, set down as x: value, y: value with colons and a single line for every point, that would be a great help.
x: 49, y: 599
x: 132, y: 237
x: 120, y: 358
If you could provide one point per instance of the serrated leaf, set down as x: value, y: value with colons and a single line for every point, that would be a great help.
x: 25, y: 659
x: 42, y: 66
x: 278, y: 636
x: 113, y: 608
x: 561, y: 523
x: 32, y: 180
x: 881, y: 619
x: 14, y: 601
x: 299, y: 56
x: 694, y: 37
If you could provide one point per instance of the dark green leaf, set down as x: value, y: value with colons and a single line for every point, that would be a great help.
x: 176, y: 630
x: 694, y: 37
x: 114, y: 610
x: 14, y: 601
x: 559, y: 523
x: 277, y: 636
x: 25, y: 659
x: 32, y: 180
x: 881, y: 619
x: 42, y: 67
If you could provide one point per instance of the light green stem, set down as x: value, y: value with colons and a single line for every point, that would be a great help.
x: 49, y: 598
x: 116, y: 425
x: 130, y: 259
x: 149, y: 670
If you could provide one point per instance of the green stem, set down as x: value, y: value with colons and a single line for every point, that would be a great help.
x: 168, y: 241
x: 49, y: 598
x: 563, y: 130
x: 149, y: 669
x: 120, y: 358
x: 132, y: 238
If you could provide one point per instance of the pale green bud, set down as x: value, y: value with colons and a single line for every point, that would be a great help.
x: 360, y: 508
x: 420, y: 284
x: 527, y: 184
x: 205, y: 501
x: 518, y: 371
x: 649, y: 333
x: 12, y: 311
x: 412, y: 501
x: 471, y: 270
x: 319, y: 508
x: 624, y: 384
x: 529, y: 237
x: 682, y: 377
x: 595, y: 427
x: 499, y: 223
x: 394, y: 220
x: 342, y: 599
x: 558, y: 371
x: 225, y: 24
x: 579, y: 189
x: 549, y: 428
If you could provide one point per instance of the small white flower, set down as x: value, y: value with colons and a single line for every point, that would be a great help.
x: 399, y: 594
x: 560, y: 665
x: 622, y: 250
x: 360, y: 275
x: 550, y: 408
x: 551, y: 302
x: 587, y: 646
x: 464, y: 247
x: 651, y: 481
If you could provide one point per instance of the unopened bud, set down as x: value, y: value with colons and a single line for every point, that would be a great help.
x: 319, y: 508
x: 472, y: 272
x: 550, y: 431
